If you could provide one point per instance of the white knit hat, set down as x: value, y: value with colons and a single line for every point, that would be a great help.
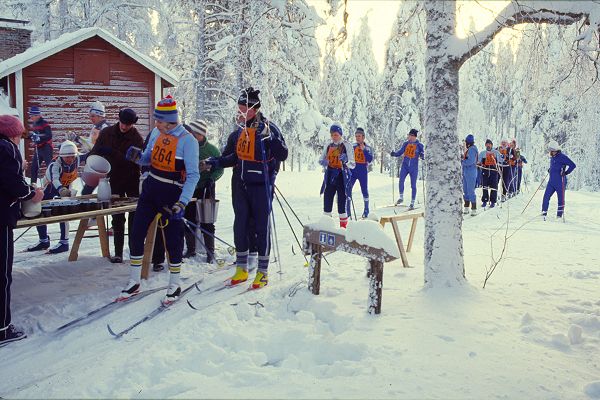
x: 553, y: 146
x: 97, y: 108
x: 67, y: 148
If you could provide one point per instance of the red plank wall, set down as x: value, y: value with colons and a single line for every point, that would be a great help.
x: 50, y: 85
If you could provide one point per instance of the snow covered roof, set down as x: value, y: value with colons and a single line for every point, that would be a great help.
x: 14, y: 24
x: 67, y: 40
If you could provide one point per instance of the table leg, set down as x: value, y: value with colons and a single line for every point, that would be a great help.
x: 314, y: 274
x: 103, y: 236
x: 83, y: 223
x: 375, y: 287
x: 400, y: 244
x: 149, y: 248
x: 413, y: 228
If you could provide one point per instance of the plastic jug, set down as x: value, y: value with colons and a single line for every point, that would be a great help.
x: 104, y: 191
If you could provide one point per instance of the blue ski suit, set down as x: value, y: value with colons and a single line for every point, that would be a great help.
x: 469, y: 169
x: 259, y: 150
x: 560, y: 167
x: 411, y: 151
x: 362, y: 159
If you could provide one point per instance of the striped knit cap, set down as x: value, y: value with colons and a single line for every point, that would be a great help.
x: 166, y: 110
x: 97, y: 108
x: 198, y: 127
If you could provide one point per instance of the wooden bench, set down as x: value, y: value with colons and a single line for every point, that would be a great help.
x: 393, y: 219
x: 317, y: 241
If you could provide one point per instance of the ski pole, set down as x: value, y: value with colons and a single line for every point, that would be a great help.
x: 290, y: 225
x: 536, y: 190
x: 220, y: 262
x: 288, y: 204
x: 230, y: 249
x: 19, y: 237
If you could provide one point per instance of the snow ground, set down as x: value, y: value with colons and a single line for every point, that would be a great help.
x: 533, y: 332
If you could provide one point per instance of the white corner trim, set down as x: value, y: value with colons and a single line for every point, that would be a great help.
x: 19, y: 104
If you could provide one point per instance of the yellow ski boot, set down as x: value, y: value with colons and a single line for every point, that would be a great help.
x: 241, y: 275
x: 261, y: 280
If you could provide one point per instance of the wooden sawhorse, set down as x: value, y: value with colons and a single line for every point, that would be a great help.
x: 393, y: 219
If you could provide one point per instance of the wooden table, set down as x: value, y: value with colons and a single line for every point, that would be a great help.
x: 393, y: 219
x: 85, y: 216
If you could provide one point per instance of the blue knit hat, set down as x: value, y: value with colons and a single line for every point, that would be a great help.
x: 166, y: 110
x: 470, y: 139
x: 413, y: 132
x: 336, y: 128
x: 360, y: 130
x: 35, y: 111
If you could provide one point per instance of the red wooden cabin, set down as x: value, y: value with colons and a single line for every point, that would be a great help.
x: 64, y: 76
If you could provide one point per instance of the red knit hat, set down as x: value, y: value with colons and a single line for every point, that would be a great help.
x: 11, y: 126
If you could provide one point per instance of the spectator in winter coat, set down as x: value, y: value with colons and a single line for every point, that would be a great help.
x: 363, y: 156
x: 489, y: 161
x: 60, y: 175
x: 338, y: 160
x: 172, y: 155
x: 13, y: 190
x: 205, y: 190
x: 560, y: 167
x: 112, y: 144
x: 469, y: 168
x: 513, y: 162
x: 41, y: 136
x: 411, y: 150
x: 259, y: 149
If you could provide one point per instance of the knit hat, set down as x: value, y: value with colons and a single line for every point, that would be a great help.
x: 166, y: 110
x: 67, y: 148
x: 470, y: 139
x: 249, y: 98
x: 11, y: 126
x: 360, y: 130
x: 488, y: 141
x: 97, y: 108
x: 413, y: 132
x: 553, y: 146
x: 34, y: 111
x: 336, y: 127
x: 127, y: 116
x: 198, y: 127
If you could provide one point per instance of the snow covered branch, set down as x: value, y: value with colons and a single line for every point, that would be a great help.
x: 540, y: 12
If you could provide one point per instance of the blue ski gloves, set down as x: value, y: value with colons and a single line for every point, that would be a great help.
x: 133, y: 154
x: 176, y: 211
x: 344, y: 158
x: 324, y: 162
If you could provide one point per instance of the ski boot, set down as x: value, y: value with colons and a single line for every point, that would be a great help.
x: 173, y: 293
x: 241, y: 275
x: 466, y: 207
x: 473, y: 210
x: 11, y: 334
x: 131, y: 289
x: 42, y: 245
x: 484, y: 204
x: 492, y: 205
x: 544, y: 215
x: 157, y: 267
x: 261, y: 280
x: 116, y: 259
x: 60, y: 247
x: 400, y: 200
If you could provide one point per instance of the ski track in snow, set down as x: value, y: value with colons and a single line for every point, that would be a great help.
x: 534, y: 332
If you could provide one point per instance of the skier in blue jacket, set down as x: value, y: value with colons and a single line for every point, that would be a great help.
x: 469, y: 169
x: 363, y: 156
x: 172, y: 155
x: 560, y: 167
x: 411, y: 150
x: 41, y: 136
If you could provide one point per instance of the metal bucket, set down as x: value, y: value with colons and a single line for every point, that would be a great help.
x: 207, y: 210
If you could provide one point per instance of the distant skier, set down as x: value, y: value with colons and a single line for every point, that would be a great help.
x: 412, y: 150
x: 505, y: 170
x: 489, y: 160
x: 560, y: 167
x: 363, y: 156
x: 469, y: 169
x: 338, y: 160
x: 41, y: 136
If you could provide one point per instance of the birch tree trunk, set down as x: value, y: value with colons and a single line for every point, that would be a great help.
x: 444, y: 264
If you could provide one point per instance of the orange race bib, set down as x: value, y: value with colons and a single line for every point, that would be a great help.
x: 411, y: 150
x: 246, y: 144
x: 359, y: 156
x: 66, y: 178
x: 490, y: 159
x: 163, y: 153
x: 333, y: 156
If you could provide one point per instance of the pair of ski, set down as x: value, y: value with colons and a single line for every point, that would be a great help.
x: 407, y: 208
x: 164, y: 307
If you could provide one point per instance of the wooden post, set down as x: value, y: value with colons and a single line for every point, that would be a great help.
x: 149, y: 247
x: 314, y: 274
x: 400, y: 244
x: 413, y: 228
x: 103, y: 236
x: 74, y: 254
x: 375, y: 287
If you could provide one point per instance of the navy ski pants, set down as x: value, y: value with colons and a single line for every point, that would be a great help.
x: 489, y: 182
x: 6, y: 260
x: 252, y: 204
x: 331, y: 189
x: 49, y: 193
